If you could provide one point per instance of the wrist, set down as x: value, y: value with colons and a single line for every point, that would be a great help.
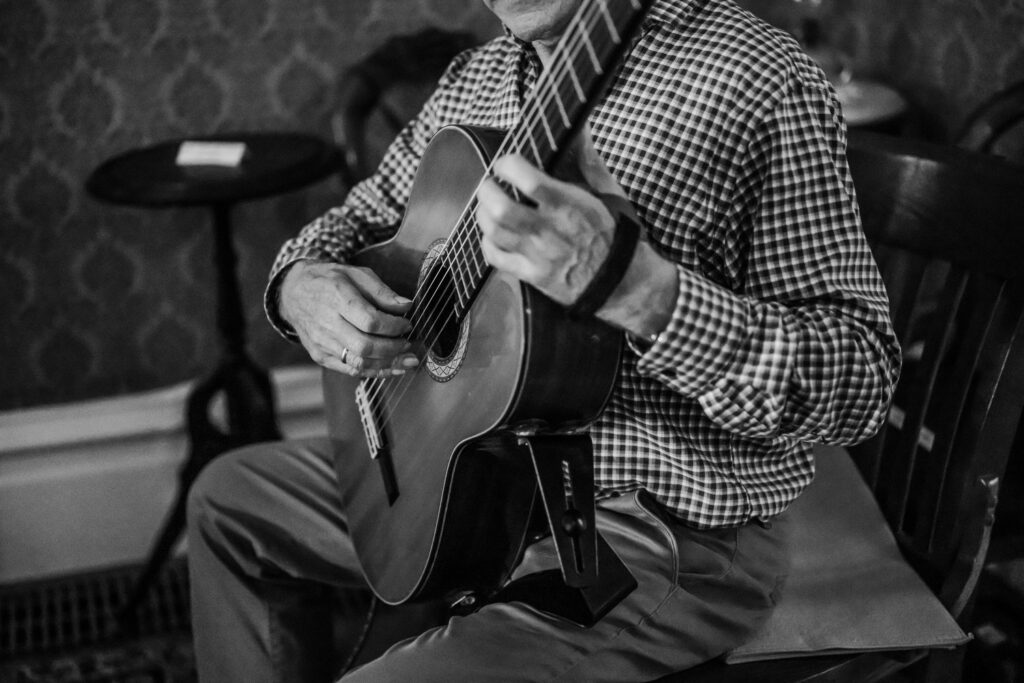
x: 645, y: 300
x: 286, y: 280
x: 284, y: 283
x: 612, y: 271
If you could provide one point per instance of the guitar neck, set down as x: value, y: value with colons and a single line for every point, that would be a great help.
x: 582, y: 67
x: 583, y: 64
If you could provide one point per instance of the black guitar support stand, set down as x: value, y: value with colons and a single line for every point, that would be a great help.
x: 592, y: 579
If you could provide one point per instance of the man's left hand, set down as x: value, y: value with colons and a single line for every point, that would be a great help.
x: 557, y: 243
x: 560, y: 237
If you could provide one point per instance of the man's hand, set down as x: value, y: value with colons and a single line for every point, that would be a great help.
x: 347, y: 318
x: 556, y: 245
x: 560, y: 241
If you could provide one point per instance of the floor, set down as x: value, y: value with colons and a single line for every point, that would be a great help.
x: 63, y: 631
x: 997, y: 653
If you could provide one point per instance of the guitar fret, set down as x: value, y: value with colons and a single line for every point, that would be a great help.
x: 593, y: 55
x: 576, y: 82
x: 468, y: 267
x: 604, y: 36
x: 479, y: 264
x: 468, y: 286
x: 458, y: 283
x: 472, y: 249
x: 536, y: 152
x: 608, y: 20
x: 561, y: 109
x: 453, y: 277
x: 547, y: 130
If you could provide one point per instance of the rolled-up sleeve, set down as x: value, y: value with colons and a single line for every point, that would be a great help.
x: 373, y: 208
x: 805, y: 347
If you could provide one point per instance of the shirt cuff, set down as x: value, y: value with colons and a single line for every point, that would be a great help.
x: 708, y: 326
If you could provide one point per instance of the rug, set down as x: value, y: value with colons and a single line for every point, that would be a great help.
x: 63, y: 630
x: 165, y: 659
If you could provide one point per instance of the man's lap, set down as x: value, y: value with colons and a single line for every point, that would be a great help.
x: 699, y: 594
x: 694, y: 600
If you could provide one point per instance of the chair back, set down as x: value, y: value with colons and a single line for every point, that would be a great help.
x: 379, y: 94
x: 947, y: 229
x: 997, y: 125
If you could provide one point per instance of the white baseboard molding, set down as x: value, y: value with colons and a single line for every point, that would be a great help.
x: 86, y: 485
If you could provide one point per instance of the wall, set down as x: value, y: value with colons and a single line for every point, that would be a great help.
x: 945, y: 56
x: 99, y: 300
x: 89, y: 484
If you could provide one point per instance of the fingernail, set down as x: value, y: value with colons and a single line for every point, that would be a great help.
x: 397, y: 372
x: 402, y: 300
x: 410, y: 361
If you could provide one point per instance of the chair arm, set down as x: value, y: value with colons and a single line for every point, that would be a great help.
x: 958, y: 589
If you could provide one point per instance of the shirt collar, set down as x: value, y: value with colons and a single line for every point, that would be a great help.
x: 670, y: 12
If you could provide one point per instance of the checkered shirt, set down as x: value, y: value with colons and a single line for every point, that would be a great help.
x: 730, y: 143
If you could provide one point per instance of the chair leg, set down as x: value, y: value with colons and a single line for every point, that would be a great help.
x: 941, y: 666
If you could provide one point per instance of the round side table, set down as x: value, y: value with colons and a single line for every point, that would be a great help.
x: 273, y: 163
x: 873, y: 106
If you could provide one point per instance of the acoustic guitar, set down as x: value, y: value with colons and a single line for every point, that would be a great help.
x: 437, y: 502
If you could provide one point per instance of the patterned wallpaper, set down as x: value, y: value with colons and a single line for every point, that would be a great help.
x: 945, y: 56
x: 98, y: 300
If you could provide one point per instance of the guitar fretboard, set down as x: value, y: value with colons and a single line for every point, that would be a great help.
x: 582, y: 64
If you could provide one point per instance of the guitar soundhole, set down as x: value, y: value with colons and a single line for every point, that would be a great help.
x: 444, y: 335
x: 444, y: 328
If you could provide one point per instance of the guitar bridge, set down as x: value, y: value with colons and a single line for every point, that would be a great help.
x: 370, y: 419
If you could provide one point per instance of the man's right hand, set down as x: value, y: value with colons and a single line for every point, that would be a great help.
x: 347, y: 318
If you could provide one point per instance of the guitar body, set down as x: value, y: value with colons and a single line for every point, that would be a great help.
x: 517, y: 363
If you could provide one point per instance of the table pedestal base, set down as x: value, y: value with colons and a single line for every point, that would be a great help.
x: 250, y: 418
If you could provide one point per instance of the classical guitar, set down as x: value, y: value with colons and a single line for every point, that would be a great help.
x: 435, y: 502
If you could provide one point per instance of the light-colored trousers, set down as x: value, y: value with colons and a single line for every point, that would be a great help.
x: 267, y: 544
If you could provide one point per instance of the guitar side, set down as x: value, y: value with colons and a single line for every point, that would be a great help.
x: 521, y: 364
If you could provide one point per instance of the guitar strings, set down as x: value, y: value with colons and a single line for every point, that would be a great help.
x: 390, y: 390
x: 455, y: 247
x: 461, y: 237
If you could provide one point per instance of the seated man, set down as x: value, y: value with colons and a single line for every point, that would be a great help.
x: 756, y: 325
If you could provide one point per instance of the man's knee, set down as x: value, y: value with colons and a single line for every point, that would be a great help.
x: 219, y: 486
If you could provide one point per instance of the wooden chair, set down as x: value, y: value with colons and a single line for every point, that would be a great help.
x: 380, y: 93
x: 947, y: 227
x: 996, y: 126
x: 934, y: 215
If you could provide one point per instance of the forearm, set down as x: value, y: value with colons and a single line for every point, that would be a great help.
x: 781, y: 325
x: 372, y: 211
x: 334, y: 237
x: 644, y: 301
x: 816, y: 371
